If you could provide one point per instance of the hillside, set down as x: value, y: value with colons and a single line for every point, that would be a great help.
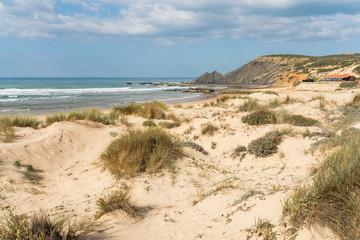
x: 284, y: 70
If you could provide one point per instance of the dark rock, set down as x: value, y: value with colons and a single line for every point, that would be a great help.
x: 193, y: 145
x: 210, y: 78
x: 128, y: 83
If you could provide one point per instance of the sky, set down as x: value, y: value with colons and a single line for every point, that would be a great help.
x: 166, y: 38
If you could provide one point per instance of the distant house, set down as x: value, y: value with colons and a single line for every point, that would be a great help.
x: 338, y: 78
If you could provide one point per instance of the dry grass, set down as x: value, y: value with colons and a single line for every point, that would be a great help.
x: 333, y: 199
x: 117, y: 200
x: 7, y: 133
x: 59, y: 117
x: 208, y: 129
x: 89, y: 115
x: 249, y: 106
x: 37, y: 227
x: 150, y: 110
x: 141, y: 151
x: 25, y: 121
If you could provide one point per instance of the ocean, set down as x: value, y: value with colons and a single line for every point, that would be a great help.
x: 49, y: 95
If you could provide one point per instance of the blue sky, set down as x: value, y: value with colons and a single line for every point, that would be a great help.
x: 166, y: 38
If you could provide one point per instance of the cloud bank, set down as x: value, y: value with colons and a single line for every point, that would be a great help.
x: 166, y: 20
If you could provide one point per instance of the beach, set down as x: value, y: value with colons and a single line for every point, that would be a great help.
x: 220, y: 192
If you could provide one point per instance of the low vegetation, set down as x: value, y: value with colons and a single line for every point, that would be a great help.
x: 249, y: 106
x: 141, y: 151
x: 260, y: 117
x: 299, y: 120
x: 264, y: 116
x: 117, y: 200
x: 59, y: 117
x: 7, y: 133
x: 169, y: 125
x: 267, y: 144
x: 149, y: 123
x: 36, y: 227
x: 150, y: 110
x: 89, y: 115
x: 30, y: 175
x: 25, y: 121
x: 349, y: 84
x: 208, y: 129
x: 332, y: 199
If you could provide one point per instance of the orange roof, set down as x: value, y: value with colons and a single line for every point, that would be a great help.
x: 337, y: 76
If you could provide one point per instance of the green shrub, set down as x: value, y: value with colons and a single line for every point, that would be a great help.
x: 349, y: 84
x: 169, y: 125
x: 333, y: 199
x: 149, y: 123
x: 299, y: 120
x: 140, y: 151
x: 260, y: 117
x: 208, y: 129
x: 117, y: 200
x: 249, y: 105
x: 24, y: 121
x: 265, y: 145
x: 7, y: 133
x: 37, y: 227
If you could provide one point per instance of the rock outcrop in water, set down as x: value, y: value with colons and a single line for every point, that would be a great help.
x: 211, y: 78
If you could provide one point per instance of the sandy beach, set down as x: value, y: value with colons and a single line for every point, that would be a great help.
x: 220, y: 195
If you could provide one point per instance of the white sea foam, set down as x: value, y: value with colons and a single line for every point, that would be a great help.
x: 14, y: 92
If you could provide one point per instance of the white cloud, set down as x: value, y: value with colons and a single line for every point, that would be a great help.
x: 182, y: 19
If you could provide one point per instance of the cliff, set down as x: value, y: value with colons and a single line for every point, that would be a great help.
x: 284, y: 70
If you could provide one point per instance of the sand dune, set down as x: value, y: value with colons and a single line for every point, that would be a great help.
x: 214, y: 196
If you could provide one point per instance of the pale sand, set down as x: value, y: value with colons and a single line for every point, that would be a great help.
x: 67, y: 156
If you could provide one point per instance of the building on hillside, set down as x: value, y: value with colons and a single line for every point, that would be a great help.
x: 338, y: 78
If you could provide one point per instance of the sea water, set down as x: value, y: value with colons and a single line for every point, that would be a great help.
x: 48, y: 95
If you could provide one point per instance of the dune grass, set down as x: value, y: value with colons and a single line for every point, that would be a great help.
x: 150, y: 110
x: 117, y: 200
x: 7, y: 133
x: 89, y: 115
x: 333, y: 199
x: 208, y: 129
x: 59, y: 117
x: 249, y: 106
x: 25, y: 121
x: 141, y: 151
x: 36, y: 227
